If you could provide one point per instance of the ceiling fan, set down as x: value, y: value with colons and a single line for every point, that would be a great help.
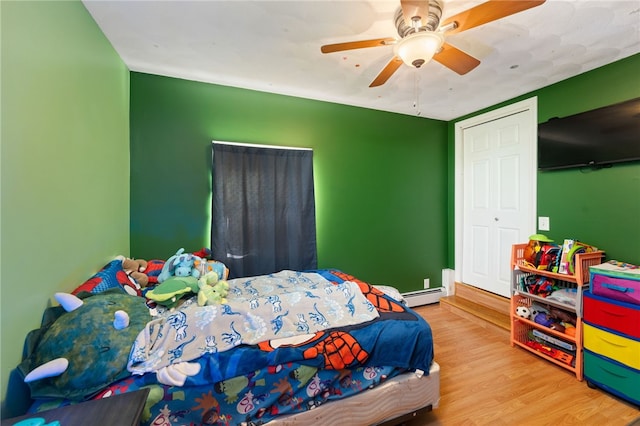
x: 422, y: 35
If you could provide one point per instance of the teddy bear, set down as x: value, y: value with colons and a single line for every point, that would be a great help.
x: 135, y: 269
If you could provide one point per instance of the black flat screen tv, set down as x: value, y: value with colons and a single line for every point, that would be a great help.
x: 594, y: 139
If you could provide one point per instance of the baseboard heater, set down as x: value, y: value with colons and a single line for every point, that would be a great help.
x: 424, y: 297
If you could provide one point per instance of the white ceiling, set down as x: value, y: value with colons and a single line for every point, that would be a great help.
x: 274, y: 46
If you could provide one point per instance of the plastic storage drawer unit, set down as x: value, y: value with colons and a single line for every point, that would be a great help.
x: 607, y: 313
x: 612, y: 345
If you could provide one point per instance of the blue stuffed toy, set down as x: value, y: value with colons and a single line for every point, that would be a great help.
x: 180, y: 264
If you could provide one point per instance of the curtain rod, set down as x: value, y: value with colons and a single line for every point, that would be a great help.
x: 261, y: 146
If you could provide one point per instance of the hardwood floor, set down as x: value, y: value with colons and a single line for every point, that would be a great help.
x: 485, y: 381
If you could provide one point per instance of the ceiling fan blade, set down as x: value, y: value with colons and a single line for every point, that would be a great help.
x: 350, y: 45
x: 414, y: 8
x: 455, y: 59
x: 487, y: 12
x: 387, y: 72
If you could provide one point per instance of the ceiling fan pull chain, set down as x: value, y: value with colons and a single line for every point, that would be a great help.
x: 416, y: 85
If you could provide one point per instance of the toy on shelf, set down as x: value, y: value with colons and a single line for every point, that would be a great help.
x: 536, y: 308
x: 536, y: 241
x: 541, y: 253
x: 543, y: 319
x: 570, y: 330
x: 541, y: 337
x: 568, y: 256
x: 550, y: 317
x: 563, y: 316
x: 551, y: 352
x: 539, y: 285
x: 553, y: 318
x: 523, y: 312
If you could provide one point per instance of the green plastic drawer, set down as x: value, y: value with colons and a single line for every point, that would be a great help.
x: 612, y: 377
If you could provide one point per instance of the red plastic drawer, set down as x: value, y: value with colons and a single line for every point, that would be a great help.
x: 606, y: 313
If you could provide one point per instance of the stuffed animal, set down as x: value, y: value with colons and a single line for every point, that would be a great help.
x: 135, y: 269
x: 169, y: 292
x: 205, y: 266
x: 154, y: 268
x: 536, y: 309
x: 211, y: 290
x: 563, y: 316
x: 204, y: 252
x: 557, y: 327
x: 180, y: 264
x: 87, y: 347
x: 543, y: 319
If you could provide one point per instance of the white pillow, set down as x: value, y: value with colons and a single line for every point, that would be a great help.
x: 391, y: 292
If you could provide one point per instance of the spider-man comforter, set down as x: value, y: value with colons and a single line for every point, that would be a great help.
x: 252, y: 384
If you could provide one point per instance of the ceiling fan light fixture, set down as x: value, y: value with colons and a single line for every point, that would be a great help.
x: 418, y: 48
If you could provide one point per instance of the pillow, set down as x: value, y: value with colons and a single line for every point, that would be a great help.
x: 392, y: 292
x: 97, y: 352
x: 110, y: 276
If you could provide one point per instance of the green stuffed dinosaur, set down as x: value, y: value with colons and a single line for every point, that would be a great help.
x: 212, y: 291
x: 170, y: 291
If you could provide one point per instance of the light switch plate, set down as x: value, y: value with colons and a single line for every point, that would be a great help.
x: 543, y: 223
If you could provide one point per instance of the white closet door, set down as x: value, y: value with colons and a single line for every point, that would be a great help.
x: 499, y: 206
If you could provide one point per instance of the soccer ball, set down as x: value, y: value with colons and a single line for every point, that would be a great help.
x: 523, y: 311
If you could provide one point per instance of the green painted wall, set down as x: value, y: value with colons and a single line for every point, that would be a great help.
x: 598, y: 207
x: 381, y: 178
x: 64, y: 167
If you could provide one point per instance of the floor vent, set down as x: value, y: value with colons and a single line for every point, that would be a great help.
x: 424, y: 297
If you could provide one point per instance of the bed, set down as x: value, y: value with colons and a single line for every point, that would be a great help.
x: 290, y: 348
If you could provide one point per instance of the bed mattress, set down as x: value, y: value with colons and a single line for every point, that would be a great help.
x: 399, y: 395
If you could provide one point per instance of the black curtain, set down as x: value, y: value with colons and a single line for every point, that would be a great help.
x: 263, y: 209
